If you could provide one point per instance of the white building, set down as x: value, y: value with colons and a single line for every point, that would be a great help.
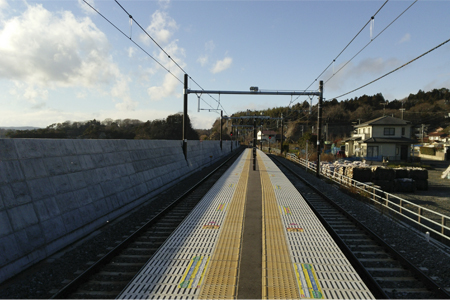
x: 384, y: 137
x: 267, y: 135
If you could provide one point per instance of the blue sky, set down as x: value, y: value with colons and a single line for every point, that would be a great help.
x: 60, y: 60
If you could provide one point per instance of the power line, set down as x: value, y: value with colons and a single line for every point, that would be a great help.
x: 137, y: 23
x: 370, y: 42
x: 395, y: 69
x: 351, y: 41
x: 165, y: 52
x: 137, y: 45
x: 153, y: 58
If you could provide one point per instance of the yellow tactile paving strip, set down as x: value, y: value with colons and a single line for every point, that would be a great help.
x: 278, y: 275
x: 220, y: 281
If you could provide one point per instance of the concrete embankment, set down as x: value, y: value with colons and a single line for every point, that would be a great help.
x: 53, y: 192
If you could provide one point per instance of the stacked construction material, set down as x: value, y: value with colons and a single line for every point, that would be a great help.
x: 405, y: 185
x: 327, y: 169
x: 384, y: 177
x: 389, y: 180
x: 420, y: 176
x: 358, y: 173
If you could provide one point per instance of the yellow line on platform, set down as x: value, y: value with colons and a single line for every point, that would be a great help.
x: 278, y: 275
x: 220, y: 281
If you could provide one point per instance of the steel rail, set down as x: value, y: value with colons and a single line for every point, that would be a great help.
x: 83, y: 277
x: 377, y: 290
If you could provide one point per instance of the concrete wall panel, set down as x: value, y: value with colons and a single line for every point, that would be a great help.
x: 7, y: 150
x: 53, y: 192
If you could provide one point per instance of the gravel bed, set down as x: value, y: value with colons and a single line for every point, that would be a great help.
x: 45, y: 278
x: 433, y: 258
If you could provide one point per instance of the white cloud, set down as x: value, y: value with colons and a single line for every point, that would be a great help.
x: 222, y: 65
x: 168, y: 87
x: 161, y: 28
x: 3, y: 5
x: 405, y: 38
x: 45, y: 51
x: 164, y: 4
x: 209, y: 46
x: 203, y: 60
x: 131, y: 52
x: 121, y: 90
x: 351, y: 73
x: 85, y: 7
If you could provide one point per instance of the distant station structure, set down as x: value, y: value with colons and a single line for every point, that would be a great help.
x: 253, y: 91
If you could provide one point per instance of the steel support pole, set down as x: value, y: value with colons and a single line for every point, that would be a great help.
x: 185, y: 123
x: 281, y: 145
x: 319, y: 127
x: 221, y: 116
x: 232, y: 136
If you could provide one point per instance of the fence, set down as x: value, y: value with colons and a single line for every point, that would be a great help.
x: 424, y: 218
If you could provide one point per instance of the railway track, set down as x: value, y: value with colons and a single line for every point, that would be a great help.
x: 108, y: 276
x: 386, y: 272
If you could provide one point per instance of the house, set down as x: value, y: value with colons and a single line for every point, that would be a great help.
x: 384, y: 137
x: 267, y: 135
x: 438, y: 136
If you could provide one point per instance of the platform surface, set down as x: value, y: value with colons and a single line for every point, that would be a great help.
x: 201, y: 259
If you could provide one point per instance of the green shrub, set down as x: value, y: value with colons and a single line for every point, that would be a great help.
x: 427, y: 151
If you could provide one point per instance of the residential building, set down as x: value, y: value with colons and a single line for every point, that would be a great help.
x: 384, y: 137
x: 267, y: 135
x: 438, y: 136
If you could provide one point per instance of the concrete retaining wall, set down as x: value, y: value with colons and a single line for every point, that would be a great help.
x: 439, y: 156
x: 53, y: 192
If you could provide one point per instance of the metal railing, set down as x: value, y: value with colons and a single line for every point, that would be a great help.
x: 423, y: 217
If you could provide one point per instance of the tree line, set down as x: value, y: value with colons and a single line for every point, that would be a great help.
x: 169, y: 128
x: 423, y: 107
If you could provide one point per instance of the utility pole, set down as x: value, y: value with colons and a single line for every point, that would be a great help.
x: 422, y: 133
x: 384, y: 107
x: 319, y: 128
x: 185, y: 108
x: 402, y: 110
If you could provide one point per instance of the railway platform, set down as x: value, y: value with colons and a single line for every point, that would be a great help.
x: 252, y: 236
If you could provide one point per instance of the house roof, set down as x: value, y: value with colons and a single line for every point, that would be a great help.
x: 385, y: 120
x: 383, y: 140
x: 441, y: 134
x: 356, y: 138
x: 269, y: 132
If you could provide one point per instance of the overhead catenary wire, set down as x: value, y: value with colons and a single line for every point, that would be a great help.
x: 371, y: 40
x: 164, y: 51
x: 140, y: 47
x: 351, y: 41
x: 156, y: 43
x: 404, y: 65
x: 129, y: 37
